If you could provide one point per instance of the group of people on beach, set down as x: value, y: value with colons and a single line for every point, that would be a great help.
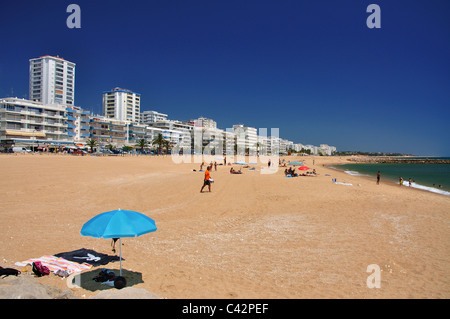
x: 291, y: 171
x: 210, y: 166
x: 207, y: 180
x: 400, y: 181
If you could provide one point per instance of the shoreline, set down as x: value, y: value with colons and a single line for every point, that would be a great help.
x: 392, y: 181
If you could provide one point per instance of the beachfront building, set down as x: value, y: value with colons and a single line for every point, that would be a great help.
x: 264, y: 145
x: 122, y: 104
x: 311, y: 148
x: 297, y: 147
x: 246, y: 137
x: 172, y: 125
x: 179, y: 138
x: 108, y: 131
x: 325, y: 149
x: 134, y: 133
x: 228, y: 137
x: 203, y: 122
x: 32, y: 124
x: 213, y: 140
x: 176, y: 132
x: 148, y: 117
x: 78, y: 126
x: 52, y: 80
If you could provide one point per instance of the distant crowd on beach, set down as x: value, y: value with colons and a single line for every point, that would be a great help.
x: 207, y: 180
x: 291, y: 171
x: 402, y: 182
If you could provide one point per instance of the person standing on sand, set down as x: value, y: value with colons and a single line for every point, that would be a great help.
x: 206, y: 180
x: 378, y: 177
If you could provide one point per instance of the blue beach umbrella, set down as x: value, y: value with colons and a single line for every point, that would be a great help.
x: 117, y: 224
x: 295, y: 163
x: 240, y: 163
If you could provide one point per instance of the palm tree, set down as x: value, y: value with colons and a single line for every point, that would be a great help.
x: 160, y: 141
x: 92, y: 143
x: 167, y: 146
x: 142, y: 143
x: 126, y: 148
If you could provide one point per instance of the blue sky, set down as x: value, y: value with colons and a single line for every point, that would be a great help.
x: 313, y: 69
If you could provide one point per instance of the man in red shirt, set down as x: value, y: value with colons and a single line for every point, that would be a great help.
x: 206, y: 181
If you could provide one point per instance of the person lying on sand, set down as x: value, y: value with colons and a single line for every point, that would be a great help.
x: 232, y: 171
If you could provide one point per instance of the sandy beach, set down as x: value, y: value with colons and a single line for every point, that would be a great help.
x: 254, y: 236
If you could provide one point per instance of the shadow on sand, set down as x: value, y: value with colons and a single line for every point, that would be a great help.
x: 86, y: 280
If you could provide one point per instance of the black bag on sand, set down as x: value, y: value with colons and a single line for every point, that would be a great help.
x: 104, y: 275
x: 5, y: 272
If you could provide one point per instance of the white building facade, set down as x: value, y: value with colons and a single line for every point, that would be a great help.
x: 33, y: 124
x: 122, y: 104
x: 148, y: 117
x: 52, y: 80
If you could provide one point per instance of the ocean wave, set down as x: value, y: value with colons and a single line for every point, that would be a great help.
x: 426, y: 188
x: 406, y: 183
x: 354, y: 173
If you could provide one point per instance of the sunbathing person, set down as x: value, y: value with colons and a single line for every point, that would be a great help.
x: 232, y: 171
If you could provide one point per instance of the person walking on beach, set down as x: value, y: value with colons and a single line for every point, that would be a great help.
x: 378, y: 177
x: 400, y: 181
x: 206, y: 180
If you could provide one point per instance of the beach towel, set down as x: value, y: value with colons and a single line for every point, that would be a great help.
x: 56, y: 264
x: 341, y: 183
x: 88, y: 256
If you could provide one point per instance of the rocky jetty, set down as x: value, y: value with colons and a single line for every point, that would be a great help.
x: 397, y: 160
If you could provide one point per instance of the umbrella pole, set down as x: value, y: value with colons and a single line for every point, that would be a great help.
x: 120, y: 254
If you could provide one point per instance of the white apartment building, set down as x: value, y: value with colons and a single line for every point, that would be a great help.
x: 148, y: 117
x: 78, y: 124
x: 229, y: 140
x: 52, y: 80
x: 33, y: 124
x: 174, y: 131
x: 298, y: 147
x: 204, y: 122
x: 246, y: 137
x: 122, y: 104
x: 172, y: 125
x: 327, y: 149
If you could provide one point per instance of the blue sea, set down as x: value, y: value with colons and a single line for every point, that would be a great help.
x: 430, y: 177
